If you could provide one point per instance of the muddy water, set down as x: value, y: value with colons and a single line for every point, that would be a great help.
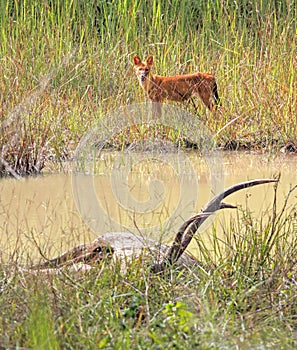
x: 51, y: 213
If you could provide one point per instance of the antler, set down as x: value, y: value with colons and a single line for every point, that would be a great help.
x: 189, y: 228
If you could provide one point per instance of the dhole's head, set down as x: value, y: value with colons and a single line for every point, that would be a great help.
x: 143, y: 69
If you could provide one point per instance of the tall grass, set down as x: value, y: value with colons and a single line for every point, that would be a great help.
x: 75, y: 56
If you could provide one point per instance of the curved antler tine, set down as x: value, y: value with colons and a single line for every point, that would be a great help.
x: 227, y: 206
x: 189, y: 228
x: 170, y: 255
x: 216, y: 203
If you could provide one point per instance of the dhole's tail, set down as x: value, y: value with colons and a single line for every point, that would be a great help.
x: 216, y: 94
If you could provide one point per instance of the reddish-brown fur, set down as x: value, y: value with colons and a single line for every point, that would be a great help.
x: 177, y: 87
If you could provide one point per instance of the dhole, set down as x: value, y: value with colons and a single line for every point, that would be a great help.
x: 177, y: 87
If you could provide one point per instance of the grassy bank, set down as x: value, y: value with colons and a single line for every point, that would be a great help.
x: 66, y: 64
x: 242, y: 295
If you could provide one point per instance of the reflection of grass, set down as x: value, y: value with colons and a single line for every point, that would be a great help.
x: 67, y: 63
x: 241, y: 294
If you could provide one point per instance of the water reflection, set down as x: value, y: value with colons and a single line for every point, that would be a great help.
x: 40, y: 211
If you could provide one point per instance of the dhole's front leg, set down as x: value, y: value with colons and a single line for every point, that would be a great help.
x: 156, y: 109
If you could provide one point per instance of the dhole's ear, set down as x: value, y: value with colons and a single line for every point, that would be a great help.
x: 150, y: 60
x: 136, y: 60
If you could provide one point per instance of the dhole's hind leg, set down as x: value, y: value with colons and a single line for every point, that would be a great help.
x: 209, y: 95
x: 205, y: 97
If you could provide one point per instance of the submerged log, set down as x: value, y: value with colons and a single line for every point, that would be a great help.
x: 124, y: 246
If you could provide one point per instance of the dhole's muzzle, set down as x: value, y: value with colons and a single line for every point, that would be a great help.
x: 144, y: 74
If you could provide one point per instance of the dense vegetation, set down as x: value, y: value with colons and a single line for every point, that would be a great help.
x: 65, y: 65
